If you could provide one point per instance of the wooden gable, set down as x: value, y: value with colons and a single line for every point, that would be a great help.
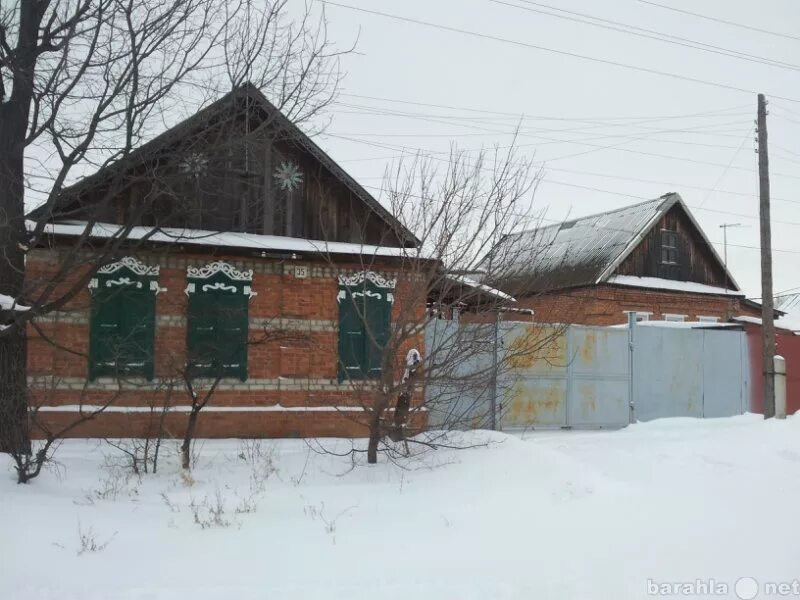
x: 674, y: 248
x: 239, y: 165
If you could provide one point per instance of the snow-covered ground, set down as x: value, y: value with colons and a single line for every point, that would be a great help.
x: 561, y: 515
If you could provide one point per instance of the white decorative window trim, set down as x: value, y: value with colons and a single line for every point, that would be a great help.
x: 131, y: 263
x: 220, y: 266
x: 376, y: 278
x: 218, y: 286
x: 123, y: 281
x: 154, y: 287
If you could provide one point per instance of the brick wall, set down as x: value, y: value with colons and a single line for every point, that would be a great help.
x: 607, y: 304
x: 292, y: 387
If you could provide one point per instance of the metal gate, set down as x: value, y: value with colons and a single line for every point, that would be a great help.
x: 579, y: 376
x: 689, y: 372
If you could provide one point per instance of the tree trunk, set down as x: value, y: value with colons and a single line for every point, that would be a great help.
x: 374, y: 437
x: 186, y: 447
x: 14, y: 435
x: 372, y: 447
x: 14, y: 428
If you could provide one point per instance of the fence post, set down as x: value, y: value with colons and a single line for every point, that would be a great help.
x: 780, y: 387
x: 496, y: 347
x: 631, y: 403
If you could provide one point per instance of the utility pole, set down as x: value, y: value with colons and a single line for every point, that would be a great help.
x: 767, y: 313
x: 724, y: 228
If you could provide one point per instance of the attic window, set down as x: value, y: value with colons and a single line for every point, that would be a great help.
x: 669, y: 247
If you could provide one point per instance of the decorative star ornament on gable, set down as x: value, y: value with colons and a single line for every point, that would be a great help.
x: 196, y: 164
x: 289, y: 176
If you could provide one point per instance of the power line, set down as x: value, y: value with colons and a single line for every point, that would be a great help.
x: 693, y: 130
x: 515, y: 115
x: 725, y: 171
x: 612, y: 192
x: 718, y: 20
x: 530, y: 216
x: 649, y: 34
x: 637, y: 152
x: 553, y: 50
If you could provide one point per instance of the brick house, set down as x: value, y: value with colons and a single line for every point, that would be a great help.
x: 650, y: 258
x: 247, y: 258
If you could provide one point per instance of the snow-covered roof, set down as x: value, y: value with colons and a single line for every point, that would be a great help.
x: 669, y: 284
x: 583, y: 251
x: 787, y: 322
x: 463, y: 280
x: 229, y: 239
x: 9, y: 303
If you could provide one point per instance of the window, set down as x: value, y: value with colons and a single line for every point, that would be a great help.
x: 674, y: 318
x: 669, y: 247
x: 707, y: 319
x: 365, y: 314
x: 122, y: 325
x: 217, y: 320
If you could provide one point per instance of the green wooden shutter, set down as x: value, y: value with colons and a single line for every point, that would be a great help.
x: 138, y: 340
x: 351, y: 336
x: 232, y: 326
x: 201, y: 335
x: 365, y: 314
x: 217, y: 326
x: 122, y: 325
x: 378, y: 320
x: 104, y: 334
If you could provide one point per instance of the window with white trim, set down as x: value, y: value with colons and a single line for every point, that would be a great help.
x: 669, y: 247
x: 365, y: 314
x: 122, y: 323
x: 707, y: 319
x: 217, y: 320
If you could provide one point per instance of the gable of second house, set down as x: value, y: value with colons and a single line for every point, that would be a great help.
x: 674, y: 249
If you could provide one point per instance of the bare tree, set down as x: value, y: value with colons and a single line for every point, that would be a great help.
x: 462, y: 210
x: 82, y: 84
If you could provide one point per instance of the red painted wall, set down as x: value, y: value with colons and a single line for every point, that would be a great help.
x: 788, y: 346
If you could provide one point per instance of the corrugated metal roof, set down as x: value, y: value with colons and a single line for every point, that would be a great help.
x: 576, y: 252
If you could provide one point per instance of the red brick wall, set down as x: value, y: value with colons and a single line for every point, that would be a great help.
x: 292, y: 359
x: 606, y: 305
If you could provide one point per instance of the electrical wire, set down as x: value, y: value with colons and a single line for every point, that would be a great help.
x: 521, y: 44
x: 718, y: 20
x: 648, y: 34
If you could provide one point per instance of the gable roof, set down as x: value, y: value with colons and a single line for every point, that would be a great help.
x: 202, y: 118
x: 583, y: 251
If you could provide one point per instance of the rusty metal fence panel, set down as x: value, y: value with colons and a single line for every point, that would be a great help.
x: 533, y: 385
x: 578, y: 376
x: 597, y: 377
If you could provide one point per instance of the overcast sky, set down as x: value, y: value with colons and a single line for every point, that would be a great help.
x: 595, y: 127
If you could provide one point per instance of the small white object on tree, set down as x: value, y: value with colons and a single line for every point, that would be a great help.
x: 9, y: 303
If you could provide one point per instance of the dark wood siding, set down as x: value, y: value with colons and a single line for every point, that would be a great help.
x: 223, y: 179
x: 694, y: 262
